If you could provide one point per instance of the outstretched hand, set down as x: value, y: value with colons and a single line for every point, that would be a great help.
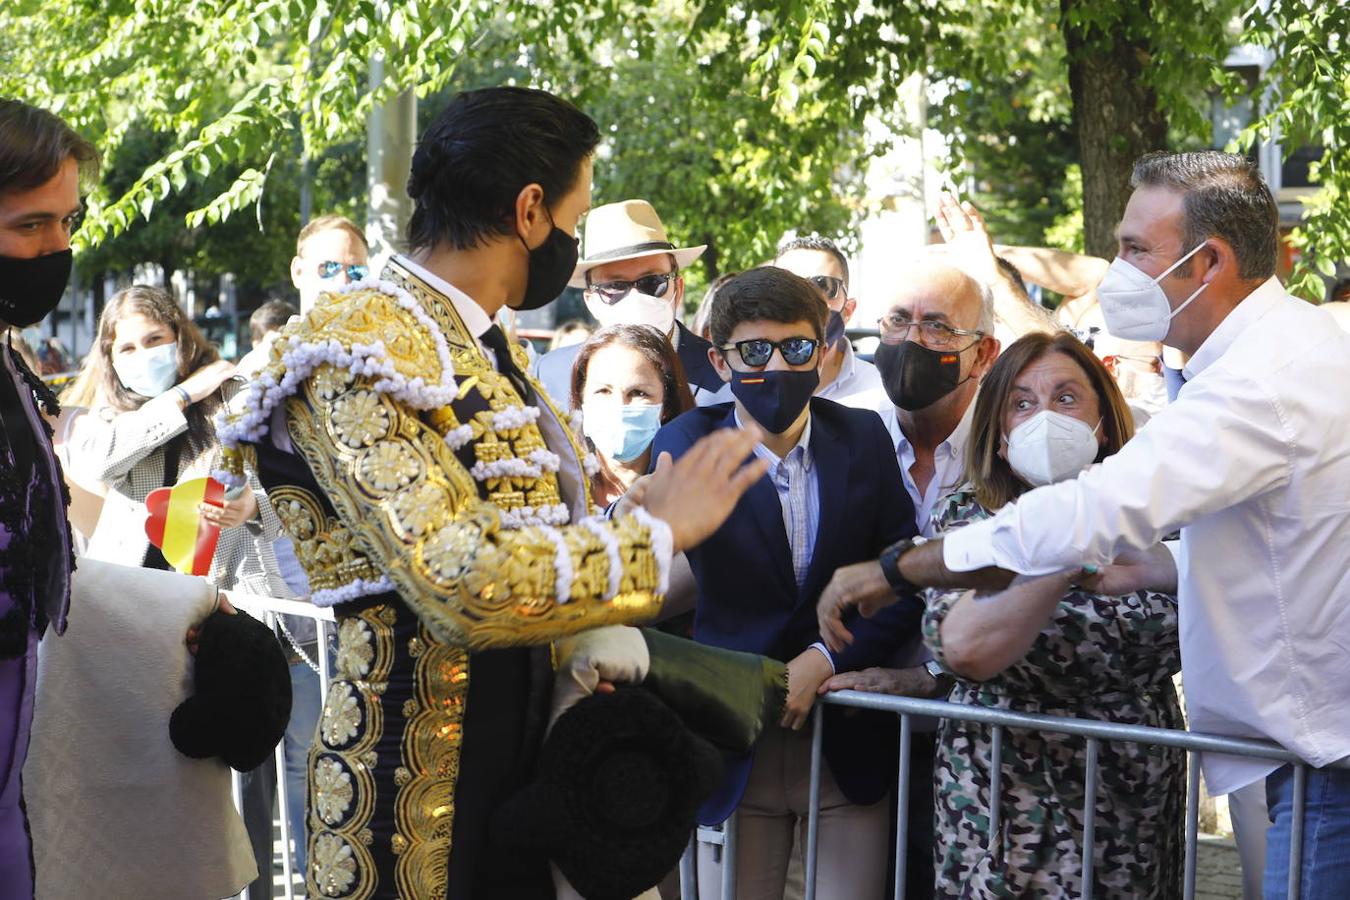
x: 695, y: 495
x: 1153, y: 569
x: 862, y: 585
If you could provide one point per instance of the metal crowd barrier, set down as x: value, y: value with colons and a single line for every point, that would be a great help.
x: 266, y: 609
x: 906, y: 708
x: 1095, y: 732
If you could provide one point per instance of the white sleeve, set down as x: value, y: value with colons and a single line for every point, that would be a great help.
x: 1223, y: 442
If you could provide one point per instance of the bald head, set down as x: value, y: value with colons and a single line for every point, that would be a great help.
x: 932, y: 288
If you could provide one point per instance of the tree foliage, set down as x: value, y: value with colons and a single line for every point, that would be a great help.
x: 740, y: 119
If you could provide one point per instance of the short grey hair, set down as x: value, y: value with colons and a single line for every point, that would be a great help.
x: 1223, y: 195
x: 986, y: 307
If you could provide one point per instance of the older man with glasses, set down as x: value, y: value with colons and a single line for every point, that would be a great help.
x: 844, y: 378
x: 631, y: 275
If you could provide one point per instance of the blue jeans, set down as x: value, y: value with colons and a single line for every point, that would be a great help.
x: 305, y: 709
x: 1326, y: 834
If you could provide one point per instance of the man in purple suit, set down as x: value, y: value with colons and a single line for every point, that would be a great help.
x: 41, y: 162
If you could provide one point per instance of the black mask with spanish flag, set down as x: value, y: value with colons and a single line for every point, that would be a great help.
x: 915, y: 376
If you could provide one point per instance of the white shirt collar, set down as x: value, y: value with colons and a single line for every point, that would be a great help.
x: 955, y: 442
x: 475, y: 317
x: 774, y: 459
x: 1251, y: 308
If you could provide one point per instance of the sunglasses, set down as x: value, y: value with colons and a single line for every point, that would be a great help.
x: 355, y: 271
x: 828, y: 286
x: 796, y: 351
x: 612, y: 292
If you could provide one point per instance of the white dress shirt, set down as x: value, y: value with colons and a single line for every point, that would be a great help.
x: 1252, y: 462
x: 949, y: 461
x: 858, y: 384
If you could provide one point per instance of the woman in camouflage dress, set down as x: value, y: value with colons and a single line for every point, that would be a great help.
x: 1052, y: 645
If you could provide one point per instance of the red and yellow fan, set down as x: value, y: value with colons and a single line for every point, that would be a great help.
x: 175, y: 524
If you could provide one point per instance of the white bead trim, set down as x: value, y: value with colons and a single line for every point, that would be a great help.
x: 458, y: 437
x: 562, y: 565
x: 351, y: 591
x: 264, y: 393
x: 557, y: 514
x: 663, y: 545
x: 605, y: 532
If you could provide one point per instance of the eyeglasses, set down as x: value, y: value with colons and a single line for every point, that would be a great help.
x: 935, y: 335
x: 796, y: 351
x: 827, y: 285
x: 355, y: 271
x: 612, y: 292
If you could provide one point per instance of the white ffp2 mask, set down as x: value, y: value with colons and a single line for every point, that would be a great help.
x: 635, y: 309
x: 1134, y: 305
x: 1051, y: 447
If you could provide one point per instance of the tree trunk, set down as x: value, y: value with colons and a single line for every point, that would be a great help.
x: 1115, y: 112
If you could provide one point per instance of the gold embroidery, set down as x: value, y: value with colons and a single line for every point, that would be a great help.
x: 323, y: 545
x: 424, y: 807
x: 359, y: 419
x: 342, y: 761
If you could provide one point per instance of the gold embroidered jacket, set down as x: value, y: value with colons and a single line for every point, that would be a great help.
x: 439, y: 482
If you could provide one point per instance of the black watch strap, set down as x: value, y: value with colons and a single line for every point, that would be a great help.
x: 890, y: 558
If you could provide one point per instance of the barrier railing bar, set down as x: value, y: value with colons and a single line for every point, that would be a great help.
x: 995, y: 791
x: 1192, y: 823
x: 1110, y: 731
x: 688, y: 887
x: 1089, y: 817
x: 729, y: 858
x: 902, y: 788
x: 813, y: 803
x: 1296, y: 832
x: 279, y: 762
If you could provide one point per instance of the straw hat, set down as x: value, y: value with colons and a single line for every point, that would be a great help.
x: 626, y: 230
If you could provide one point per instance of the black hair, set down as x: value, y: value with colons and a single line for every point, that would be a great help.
x: 1223, y: 195
x: 815, y: 242
x: 765, y: 294
x: 271, y: 316
x: 481, y: 151
x: 34, y: 144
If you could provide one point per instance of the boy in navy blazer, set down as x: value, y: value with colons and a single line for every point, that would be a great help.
x: 833, y: 496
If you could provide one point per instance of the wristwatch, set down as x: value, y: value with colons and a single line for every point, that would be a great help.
x: 934, y: 670
x: 890, y: 558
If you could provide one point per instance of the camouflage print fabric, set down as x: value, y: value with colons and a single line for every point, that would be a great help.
x: 1109, y: 658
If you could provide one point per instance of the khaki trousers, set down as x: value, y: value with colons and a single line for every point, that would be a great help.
x: 854, y: 841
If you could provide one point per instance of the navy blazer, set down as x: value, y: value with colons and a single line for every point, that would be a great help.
x: 748, y: 595
x: 554, y: 369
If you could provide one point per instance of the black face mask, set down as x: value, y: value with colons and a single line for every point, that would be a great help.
x: 915, y: 376
x: 31, y: 288
x: 834, y: 328
x: 551, y: 267
x: 774, y: 399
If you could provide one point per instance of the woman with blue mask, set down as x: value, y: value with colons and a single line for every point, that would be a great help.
x: 627, y: 382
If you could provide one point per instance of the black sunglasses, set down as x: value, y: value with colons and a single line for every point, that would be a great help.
x: 827, y: 285
x: 796, y: 351
x: 612, y: 292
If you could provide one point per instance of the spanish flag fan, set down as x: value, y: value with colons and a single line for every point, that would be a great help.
x: 176, y: 527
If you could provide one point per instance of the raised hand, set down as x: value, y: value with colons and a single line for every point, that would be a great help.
x: 695, y: 495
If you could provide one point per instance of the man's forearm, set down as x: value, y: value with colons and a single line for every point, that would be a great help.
x: 923, y: 565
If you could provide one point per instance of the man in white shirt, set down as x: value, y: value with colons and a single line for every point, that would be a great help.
x: 1252, y: 462
x: 843, y: 377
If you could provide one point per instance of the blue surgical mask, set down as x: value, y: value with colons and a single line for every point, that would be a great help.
x: 621, y: 433
x: 149, y: 372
